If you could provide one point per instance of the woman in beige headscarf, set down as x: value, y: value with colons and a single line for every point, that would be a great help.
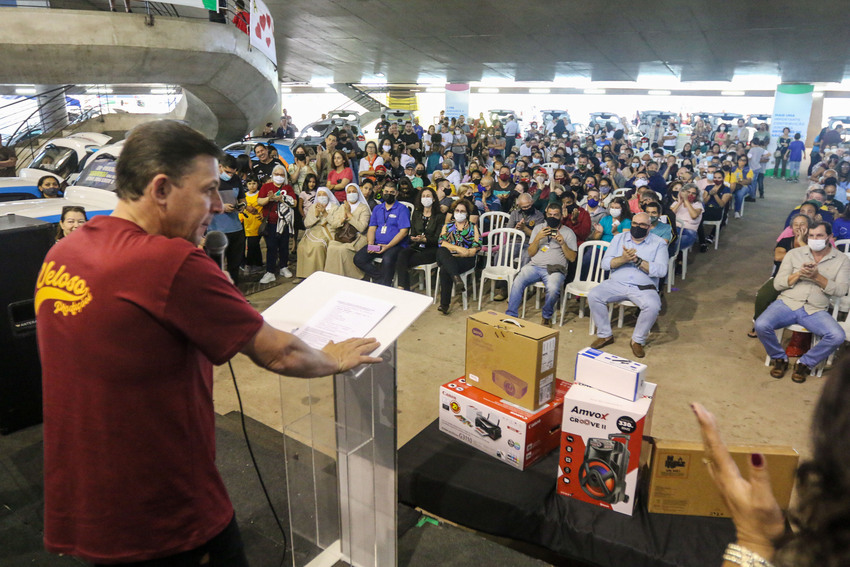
x: 312, y: 249
x: 355, y: 211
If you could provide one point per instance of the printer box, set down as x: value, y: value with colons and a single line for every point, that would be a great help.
x: 508, y: 432
x: 511, y: 358
x: 680, y: 482
x: 610, y: 373
x: 601, y: 444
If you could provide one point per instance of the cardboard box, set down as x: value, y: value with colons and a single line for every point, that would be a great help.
x: 511, y: 358
x: 505, y: 431
x: 601, y: 445
x: 680, y: 483
x: 615, y: 375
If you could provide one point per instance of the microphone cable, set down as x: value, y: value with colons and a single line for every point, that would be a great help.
x: 256, y: 466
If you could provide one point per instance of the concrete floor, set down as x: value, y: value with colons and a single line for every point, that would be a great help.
x: 698, y: 350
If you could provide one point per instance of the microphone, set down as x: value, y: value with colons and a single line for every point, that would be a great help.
x: 215, y: 245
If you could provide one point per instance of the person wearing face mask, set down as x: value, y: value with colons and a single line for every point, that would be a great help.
x: 369, y: 162
x: 420, y: 178
x: 458, y: 246
x: 594, y: 207
x: 688, y: 209
x: 807, y: 277
x: 252, y: 220
x: 426, y: 223
x: 619, y: 219
x: 636, y: 260
x: 552, y: 247
x: 312, y: 249
x: 299, y: 169
x: 48, y: 186
x: 353, y: 212
x: 232, y: 194
x: 833, y: 204
x: 385, y: 238
x: 659, y: 224
x: 278, y: 201
x: 460, y: 144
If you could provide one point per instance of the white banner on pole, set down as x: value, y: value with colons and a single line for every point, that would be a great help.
x: 262, y: 30
x: 792, y: 107
x: 457, y: 99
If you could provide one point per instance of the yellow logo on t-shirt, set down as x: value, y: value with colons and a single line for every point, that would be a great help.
x: 70, y: 293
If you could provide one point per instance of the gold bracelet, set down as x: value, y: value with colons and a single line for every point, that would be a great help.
x: 742, y: 556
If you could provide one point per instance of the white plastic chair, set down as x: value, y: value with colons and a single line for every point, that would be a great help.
x: 425, y: 282
x: 496, y: 220
x: 620, y: 192
x: 465, y: 277
x: 595, y: 275
x: 716, y: 224
x: 541, y: 289
x: 503, y: 262
x: 409, y: 206
x: 550, y: 168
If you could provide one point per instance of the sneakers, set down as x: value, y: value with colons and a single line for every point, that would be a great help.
x: 750, y: 199
x: 780, y: 366
x: 801, y: 372
x: 737, y: 215
x: 286, y: 273
x: 703, y: 247
x: 547, y: 322
x: 267, y: 278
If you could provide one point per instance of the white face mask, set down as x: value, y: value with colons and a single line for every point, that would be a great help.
x: 641, y: 183
x: 323, y: 199
x: 460, y: 217
x: 817, y: 245
x: 386, y: 147
x: 427, y: 202
x: 278, y: 179
x: 615, y: 212
x: 352, y: 197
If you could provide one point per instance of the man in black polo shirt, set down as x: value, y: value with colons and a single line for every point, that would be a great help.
x: 263, y: 168
x: 411, y: 141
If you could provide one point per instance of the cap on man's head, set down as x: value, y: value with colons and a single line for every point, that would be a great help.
x: 380, y: 168
x: 408, y: 166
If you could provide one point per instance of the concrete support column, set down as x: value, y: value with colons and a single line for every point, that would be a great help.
x: 52, y: 111
x: 815, y: 119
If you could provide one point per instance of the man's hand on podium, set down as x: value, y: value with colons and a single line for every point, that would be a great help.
x: 352, y: 352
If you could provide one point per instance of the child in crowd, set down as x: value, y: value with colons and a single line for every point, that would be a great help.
x: 252, y: 218
x: 796, y: 153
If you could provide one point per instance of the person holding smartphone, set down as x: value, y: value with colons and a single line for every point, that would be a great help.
x: 552, y: 247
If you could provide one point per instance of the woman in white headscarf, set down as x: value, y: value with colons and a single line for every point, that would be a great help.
x: 348, y: 226
x: 313, y: 247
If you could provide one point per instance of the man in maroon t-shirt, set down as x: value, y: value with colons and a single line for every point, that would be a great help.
x: 131, y: 318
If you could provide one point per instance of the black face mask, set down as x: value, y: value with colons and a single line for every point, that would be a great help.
x: 389, y: 199
x: 552, y: 222
x: 638, y: 232
x: 571, y: 208
x: 300, y: 156
x: 527, y: 212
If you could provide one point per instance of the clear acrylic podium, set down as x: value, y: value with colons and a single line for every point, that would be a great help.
x: 340, y: 443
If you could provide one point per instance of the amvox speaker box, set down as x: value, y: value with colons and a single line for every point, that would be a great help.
x: 24, y: 242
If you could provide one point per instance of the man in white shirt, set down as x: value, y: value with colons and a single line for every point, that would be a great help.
x: 526, y: 149
x: 511, y: 131
x: 758, y: 158
x: 741, y: 133
x: 671, y: 135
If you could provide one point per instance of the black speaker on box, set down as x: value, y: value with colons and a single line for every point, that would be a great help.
x: 24, y: 243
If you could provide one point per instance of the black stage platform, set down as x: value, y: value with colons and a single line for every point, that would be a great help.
x: 454, y: 481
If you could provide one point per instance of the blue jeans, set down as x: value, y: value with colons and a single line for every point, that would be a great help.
x: 610, y: 291
x: 820, y: 323
x: 793, y: 169
x: 277, y: 248
x: 739, y: 195
x: 381, y: 273
x: 530, y: 275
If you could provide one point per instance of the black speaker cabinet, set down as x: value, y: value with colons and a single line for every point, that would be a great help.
x: 23, y: 244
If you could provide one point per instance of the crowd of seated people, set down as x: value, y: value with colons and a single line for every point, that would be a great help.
x: 418, y: 196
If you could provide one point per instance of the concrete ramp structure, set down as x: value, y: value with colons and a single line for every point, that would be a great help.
x: 230, y: 89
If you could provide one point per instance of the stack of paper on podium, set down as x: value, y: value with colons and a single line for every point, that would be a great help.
x: 348, y: 510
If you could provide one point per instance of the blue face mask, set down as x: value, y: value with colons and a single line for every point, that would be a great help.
x: 225, y: 176
x: 535, y: 160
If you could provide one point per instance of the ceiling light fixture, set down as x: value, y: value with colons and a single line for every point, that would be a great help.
x: 380, y: 75
x: 285, y: 90
x: 487, y: 90
x: 539, y: 91
x: 98, y: 90
x: 160, y: 91
x: 330, y: 90
x: 594, y: 91
x: 658, y: 93
x: 733, y: 93
x: 435, y: 90
x: 25, y: 90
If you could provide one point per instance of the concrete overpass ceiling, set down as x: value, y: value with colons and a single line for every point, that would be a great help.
x: 692, y: 40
